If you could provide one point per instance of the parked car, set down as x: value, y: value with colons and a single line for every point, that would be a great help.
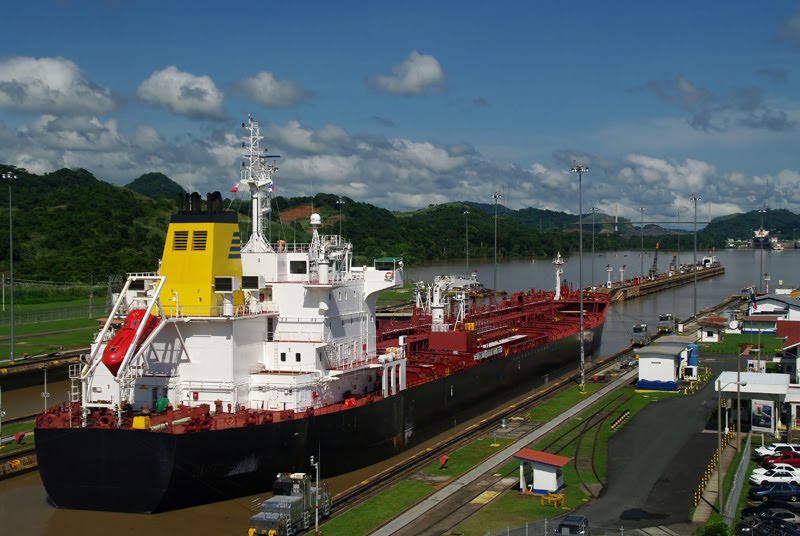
x: 781, y: 466
x: 775, y: 476
x: 573, y: 524
x: 774, y: 491
x: 767, y: 526
x: 786, y: 515
x: 771, y: 505
x: 773, y: 449
x: 791, y: 458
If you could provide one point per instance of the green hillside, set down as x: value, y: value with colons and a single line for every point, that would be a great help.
x: 71, y: 226
x: 156, y: 185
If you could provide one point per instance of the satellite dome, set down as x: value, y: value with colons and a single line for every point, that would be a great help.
x: 316, y: 219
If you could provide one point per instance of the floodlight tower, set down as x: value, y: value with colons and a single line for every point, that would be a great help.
x: 580, y: 170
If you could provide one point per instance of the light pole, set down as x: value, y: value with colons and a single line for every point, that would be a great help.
x: 315, y: 465
x: 641, y: 252
x: 594, y: 211
x: 466, y: 237
x: 580, y: 170
x: 678, y: 257
x: 719, y: 442
x: 10, y: 177
x: 762, y: 246
x: 496, y: 196
x: 340, y: 202
x: 695, y: 199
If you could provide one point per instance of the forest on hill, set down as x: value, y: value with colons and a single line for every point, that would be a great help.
x: 71, y: 226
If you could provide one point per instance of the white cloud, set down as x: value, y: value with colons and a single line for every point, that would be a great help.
x: 418, y: 74
x: 75, y: 133
x: 271, y: 92
x: 50, y: 85
x: 182, y: 92
x: 395, y: 173
x: 293, y: 136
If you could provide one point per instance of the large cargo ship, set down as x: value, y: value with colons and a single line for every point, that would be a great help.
x: 761, y: 238
x: 236, y: 362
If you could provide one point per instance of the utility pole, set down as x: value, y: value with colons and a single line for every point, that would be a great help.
x: 466, y: 237
x: 641, y: 253
x: 580, y: 170
x: 315, y: 465
x: 10, y: 177
x: 594, y: 211
x: 341, y: 203
x: 695, y: 199
x: 496, y: 196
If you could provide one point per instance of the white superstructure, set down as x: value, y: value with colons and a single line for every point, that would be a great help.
x: 273, y: 326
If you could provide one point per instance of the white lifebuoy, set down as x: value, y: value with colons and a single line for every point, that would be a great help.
x: 388, y: 276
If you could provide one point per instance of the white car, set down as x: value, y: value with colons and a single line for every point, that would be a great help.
x: 774, y: 476
x: 780, y: 466
x: 773, y: 448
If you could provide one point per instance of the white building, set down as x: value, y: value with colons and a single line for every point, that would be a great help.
x: 544, y: 470
x: 660, y: 367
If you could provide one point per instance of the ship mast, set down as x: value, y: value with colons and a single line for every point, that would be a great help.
x: 256, y: 175
x: 558, y: 262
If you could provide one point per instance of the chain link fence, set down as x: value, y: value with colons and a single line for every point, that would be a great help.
x: 33, y: 317
x: 549, y: 527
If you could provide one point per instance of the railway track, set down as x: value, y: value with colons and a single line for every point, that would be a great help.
x: 357, y: 494
x: 367, y: 489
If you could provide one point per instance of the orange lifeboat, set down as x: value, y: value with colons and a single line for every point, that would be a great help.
x: 116, y: 349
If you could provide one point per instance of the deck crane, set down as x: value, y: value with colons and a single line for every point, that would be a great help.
x: 654, y: 268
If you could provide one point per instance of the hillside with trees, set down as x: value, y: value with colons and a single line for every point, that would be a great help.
x: 71, y: 226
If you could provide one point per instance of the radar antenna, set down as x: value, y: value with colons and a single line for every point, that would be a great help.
x: 256, y: 176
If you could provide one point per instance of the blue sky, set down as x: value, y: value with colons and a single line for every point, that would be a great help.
x: 410, y: 103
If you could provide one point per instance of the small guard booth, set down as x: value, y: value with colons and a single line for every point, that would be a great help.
x: 543, y: 470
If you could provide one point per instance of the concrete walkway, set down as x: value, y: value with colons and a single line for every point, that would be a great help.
x: 703, y: 511
x: 440, y: 497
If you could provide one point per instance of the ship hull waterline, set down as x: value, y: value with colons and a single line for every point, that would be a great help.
x: 145, y: 472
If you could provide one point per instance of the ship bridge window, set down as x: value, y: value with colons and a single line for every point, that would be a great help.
x: 297, y: 357
x: 180, y: 240
x: 298, y: 267
x: 283, y: 356
x: 199, y: 239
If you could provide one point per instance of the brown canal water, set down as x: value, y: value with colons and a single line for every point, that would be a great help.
x: 24, y: 509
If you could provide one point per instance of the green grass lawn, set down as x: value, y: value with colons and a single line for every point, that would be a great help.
x: 464, y: 459
x: 11, y: 448
x: 30, y: 339
x: 23, y: 330
x: 388, y: 297
x: 375, y: 511
x: 730, y: 344
x: 512, y: 509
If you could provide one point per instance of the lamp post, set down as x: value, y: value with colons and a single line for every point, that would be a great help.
x: 719, y: 441
x: 761, y: 246
x: 695, y: 199
x: 10, y: 177
x: 580, y: 170
x: 341, y: 203
x: 594, y: 211
x: 315, y: 465
x: 496, y: 196
x: 641, y: 247
x: 466, y: 237
x: 678, y: 257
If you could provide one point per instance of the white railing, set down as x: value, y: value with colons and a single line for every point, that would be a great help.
x: 195, y: 311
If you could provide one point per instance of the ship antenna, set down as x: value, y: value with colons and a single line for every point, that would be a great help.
x: 256, y: 175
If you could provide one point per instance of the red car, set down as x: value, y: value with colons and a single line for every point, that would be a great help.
x: 792, y: 458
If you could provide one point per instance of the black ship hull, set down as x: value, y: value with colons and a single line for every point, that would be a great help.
x: 145, y: 472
